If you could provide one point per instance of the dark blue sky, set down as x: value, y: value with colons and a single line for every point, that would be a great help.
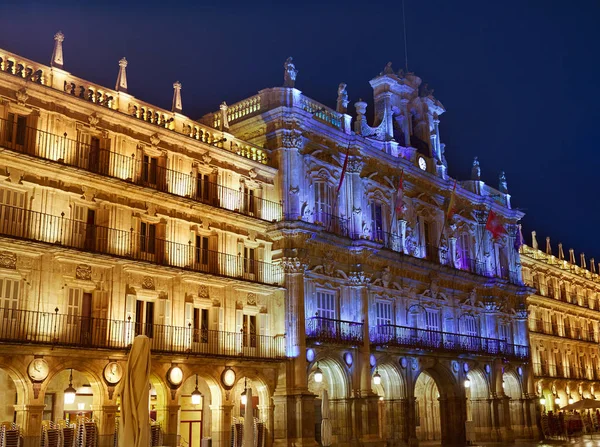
x: 518, y: 78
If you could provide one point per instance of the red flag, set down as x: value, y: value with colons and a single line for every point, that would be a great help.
x: 400, y: 195
x: 494, y: 225
x: 343, y: 171
x: 452, y: 204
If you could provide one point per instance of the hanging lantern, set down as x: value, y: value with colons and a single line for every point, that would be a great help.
x: 542, y: 401
x: 318, y: 374
x: 377, y: 378
x: 467, y: 383
x: 244, y: 396
x: 70, y: 391
x: 196, y: 395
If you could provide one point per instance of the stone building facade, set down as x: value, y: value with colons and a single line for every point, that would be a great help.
x: 564, y: 319
x: 258, y: 246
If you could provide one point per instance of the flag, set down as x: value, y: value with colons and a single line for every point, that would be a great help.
x: 344, y: 168
x: 400, y: 195
x: 452, y: 204
x: 494, y: 225
x: 519, y: 238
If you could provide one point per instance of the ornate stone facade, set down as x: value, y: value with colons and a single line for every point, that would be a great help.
x: 268, y: 238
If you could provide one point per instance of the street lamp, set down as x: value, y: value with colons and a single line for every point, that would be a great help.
x: 196, y: 395
x: 244, y: 395
x: 70, y: 391
x: 377, y: 378
x: 318, y: 374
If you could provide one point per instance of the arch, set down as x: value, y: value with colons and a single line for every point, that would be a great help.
x: 393, y: 385
x: 427, y: 408
x: 19, y: 379
x: 479, y: 411
x: 91, y: 370
x: 335, y: 378
x: 87, y: 400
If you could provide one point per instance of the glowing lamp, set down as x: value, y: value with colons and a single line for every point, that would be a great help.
x: 571, y: 400
x: 244, y: 397
x: 196, y: 395
x: 543, y: 401
x: 70, y: 391
x: 467, y: 383
x: 318, y: 374
x: 557, y: 400
x: 377, y: 378
x: 503, y: 385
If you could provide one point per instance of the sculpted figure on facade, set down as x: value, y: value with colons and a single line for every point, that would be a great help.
x: 290, y: 73
x: 342, y: 99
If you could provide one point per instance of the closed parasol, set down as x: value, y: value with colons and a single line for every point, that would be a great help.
x: 248, y: 420
x: 325, y: 422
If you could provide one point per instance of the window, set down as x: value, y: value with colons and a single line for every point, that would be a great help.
x: 326, y: 305
x: 426, y: 239
x: 249, y: 200
x: 249, y: 331
x: 149, y: 169
x: 503, y: 331
x: 16, y: 128
x: 9, y: 296
x: 432, y: 320
x: 465, y: 252
x: 201, y: 325
x: 469, y: 325
x: 144, y: 318
x: 148, y: 238
x: 12, y: 209
x: 322, y: 202
x: 377, y: 221
x: 384, y: 313
x: 202, y: 187
x: 73, y: 305
x: 249, y: 260
x: 201, y: 254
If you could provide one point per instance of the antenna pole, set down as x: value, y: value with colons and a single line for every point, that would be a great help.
x: 405, y: 46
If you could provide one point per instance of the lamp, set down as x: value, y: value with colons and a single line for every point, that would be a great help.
x: 467, y: 383
x: 70, y: 391
x: 244, y: 395
x: 543, y: 401
x: 571, y: 400
x: 377, y: 378
x: 196, y: 395
x: 318, y: 374
x: 557, y: 400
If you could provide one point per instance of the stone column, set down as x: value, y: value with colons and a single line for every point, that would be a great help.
x: 106, y: 417
x: 29, y: 418
x: 453, y: 413
x: 452, y: 249
x: 291, y: 174
x: 171, y: 428
x: 355, y: 196
x: 221, y: 423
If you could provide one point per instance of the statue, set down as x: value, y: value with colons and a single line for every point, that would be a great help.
x: 475, y: 170
x: 503, y: 185
x: 388, y: 69
x: 425, y: 91
x: 342, y: 99
x: 289, y: 74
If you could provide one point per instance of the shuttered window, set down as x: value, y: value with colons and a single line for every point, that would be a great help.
x: 9, y: 296
x: 326, y: 305
x: 384, y: 313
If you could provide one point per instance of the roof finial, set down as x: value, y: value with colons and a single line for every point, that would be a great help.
x: 121, y: 85
x: 475, y: 170
x: 534, y: 242
x: 342, y: 99
x: 177, y: 107
x: 57, y: 53
x: 592, y: 265
x: 502, y: 185
x: 583, y: 264
x: 561, y: 253
x: 571, y: 256
x: 289, y: 73
x: 224, y: 120
x: 548, y: 247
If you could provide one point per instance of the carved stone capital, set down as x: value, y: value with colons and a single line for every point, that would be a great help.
x: 293, y: 139
x: 355, y: 165
x: 293, y: 265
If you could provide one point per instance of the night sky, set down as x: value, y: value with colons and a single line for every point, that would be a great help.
x: 518, y: 78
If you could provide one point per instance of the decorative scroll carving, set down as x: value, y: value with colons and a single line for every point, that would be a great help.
x: 293, y: 265
x: 203, y: 292
x: 83, y: 272
x: 94, y: 120
x: 8, y: 260
x: 251, y: 299
x: 154, y: 139
x: 22, y: 96
x: 148, y: 283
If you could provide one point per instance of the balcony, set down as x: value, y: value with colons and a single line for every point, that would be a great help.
x: 42, y: 328
x: 57, y: 230
x: 147, y: 173
x: 437, y: 341
x: 327, y: 330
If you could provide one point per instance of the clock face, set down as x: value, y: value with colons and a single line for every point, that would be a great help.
x: 113, y: 373
x: 38, y: 370
x: 175, y: 376
x: 422, y: 163
x: 228, y: 378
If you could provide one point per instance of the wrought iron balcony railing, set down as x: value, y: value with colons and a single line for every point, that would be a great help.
x: 566, y: 371
x: 328, y: 330
x: 430, y: 340
x: 44, y: 328
x: 559, y: 330
x: 58, y: 230
x: 149, y: 172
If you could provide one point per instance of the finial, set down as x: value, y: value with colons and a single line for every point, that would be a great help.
x: 475, y: 170
x: 289, y: 73
x: 561, y: 253
x: 582, y: 258
x: 534, y: 242
x: 121, y: 85
x: 388, y: 69
x: 361, y: 109
x: 224, y: 120
x: 548, y: 247
x: 502, y: 185
x: 57, y: 53
x: 592, y: 265
x: 571, y: 256
x: 342, y: 99
x: 177, y: 107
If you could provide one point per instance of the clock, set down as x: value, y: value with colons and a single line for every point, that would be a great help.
x: 175, y: 376
x: 228, y: 378
x: 113, y: 373
x: 38, y: 370
x: 422, y: 163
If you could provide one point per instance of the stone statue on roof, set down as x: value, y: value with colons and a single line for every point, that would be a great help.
x: 342, y: 99
x: 289, y: 73
x: 388, y: 69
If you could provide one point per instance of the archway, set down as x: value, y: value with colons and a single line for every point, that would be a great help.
x: 8, y: 398
x: 513, y: 390
x: 195, y: 415
x: 62, y: 404
x: 335, y: 380
x: 479, y: 414
x: 427, y: 409
x: 260, y: 402
x: 393, y: 406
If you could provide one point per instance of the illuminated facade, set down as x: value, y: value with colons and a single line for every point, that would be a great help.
x: 254, y: 247
x: 564, y: 319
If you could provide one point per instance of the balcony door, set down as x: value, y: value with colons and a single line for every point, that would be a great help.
x: 86, y: 318
x: 9, y: 302
x: 432, y: 324
x: 16, y: 132
x: 84, y: 228
x: 323, y: 201
x: 12, y: 212
x: 326, y: 322
x: 144, y: 318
